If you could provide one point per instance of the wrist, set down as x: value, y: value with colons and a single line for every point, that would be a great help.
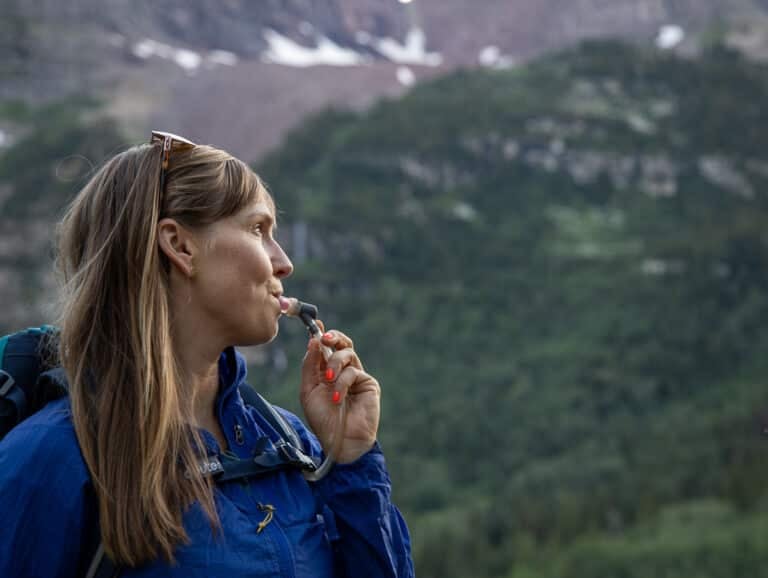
x: 353, y: 451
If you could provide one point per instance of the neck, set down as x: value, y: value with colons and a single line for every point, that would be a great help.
x: 200, y: 369
x: 198, y: 347
x: 198, y: 357
x: 203, y: 376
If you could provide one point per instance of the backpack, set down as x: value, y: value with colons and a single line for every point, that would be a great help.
x: 29, y: 380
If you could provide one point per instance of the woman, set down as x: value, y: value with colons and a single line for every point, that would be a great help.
x: 169, y: 261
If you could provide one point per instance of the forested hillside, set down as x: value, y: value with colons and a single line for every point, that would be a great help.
x: 559, y: 274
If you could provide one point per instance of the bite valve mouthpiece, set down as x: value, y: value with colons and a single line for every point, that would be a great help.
x: 308, y: 314
x: 304, y: 311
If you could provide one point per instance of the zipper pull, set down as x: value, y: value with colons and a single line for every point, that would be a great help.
x: 270, y: 510
x: 239, y: 438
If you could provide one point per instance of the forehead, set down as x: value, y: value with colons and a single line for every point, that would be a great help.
x: 262, y: 198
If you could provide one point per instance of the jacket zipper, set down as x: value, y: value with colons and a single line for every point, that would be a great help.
x: 272, y: 525
x: 281, y: 540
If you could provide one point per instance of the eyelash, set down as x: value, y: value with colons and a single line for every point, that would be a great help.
x: 256, y: 228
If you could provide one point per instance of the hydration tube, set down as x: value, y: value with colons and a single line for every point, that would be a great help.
x: 308, y: 315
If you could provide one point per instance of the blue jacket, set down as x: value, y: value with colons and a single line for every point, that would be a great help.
x: 343, y: 525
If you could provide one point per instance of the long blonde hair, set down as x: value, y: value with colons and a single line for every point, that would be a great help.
x: 132, y: 412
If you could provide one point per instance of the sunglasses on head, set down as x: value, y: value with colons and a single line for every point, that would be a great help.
x: 169, y: 141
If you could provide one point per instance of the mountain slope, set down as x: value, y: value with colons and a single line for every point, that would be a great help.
x: 159, y: 63
x: 559, y: 275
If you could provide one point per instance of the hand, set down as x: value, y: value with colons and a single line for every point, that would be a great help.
x: 355, y: 387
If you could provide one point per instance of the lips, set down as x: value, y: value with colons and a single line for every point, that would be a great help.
x: 282, y: 301
x: 277, y: 293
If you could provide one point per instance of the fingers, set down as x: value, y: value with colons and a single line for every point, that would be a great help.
x: 316, y: 369
x: 337, y: 340
x: 352, y: 381
x: 343, y: 369
x: 338, y: 361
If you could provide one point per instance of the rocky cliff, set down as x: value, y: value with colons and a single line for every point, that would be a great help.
x: 240, y: 74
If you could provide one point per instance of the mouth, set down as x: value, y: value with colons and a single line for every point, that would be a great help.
x: 282, y: 301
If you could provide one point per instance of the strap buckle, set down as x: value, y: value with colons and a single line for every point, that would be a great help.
x: 296, y: 457
x: 6, y: 383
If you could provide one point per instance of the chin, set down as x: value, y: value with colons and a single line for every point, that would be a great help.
x: 260, y: 337
x: 272, y: 337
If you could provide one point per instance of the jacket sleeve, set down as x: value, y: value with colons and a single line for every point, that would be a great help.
x: 42, y: 482
x: 373, y: 537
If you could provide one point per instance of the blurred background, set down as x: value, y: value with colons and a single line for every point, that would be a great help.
x: 544, y: 223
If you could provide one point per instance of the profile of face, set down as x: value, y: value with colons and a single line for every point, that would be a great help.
x: 229, y: 275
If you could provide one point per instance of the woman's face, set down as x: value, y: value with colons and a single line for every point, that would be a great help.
x: 238, y: 275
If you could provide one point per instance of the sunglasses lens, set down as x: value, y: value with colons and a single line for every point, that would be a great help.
x: 169, y: 141
x: 174, y: 139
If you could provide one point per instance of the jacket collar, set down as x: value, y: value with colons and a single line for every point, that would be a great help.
x: 232, y: 373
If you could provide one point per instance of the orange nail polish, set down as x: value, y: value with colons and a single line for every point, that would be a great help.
x: 327, y: 336
x: 336, y: 397
x: 329, y: 374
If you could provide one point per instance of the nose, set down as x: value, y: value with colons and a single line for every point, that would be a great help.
x: 281, y: 264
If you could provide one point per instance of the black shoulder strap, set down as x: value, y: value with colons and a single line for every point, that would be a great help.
x: 13, y: 403
x: 101, y: 565
x: 269, y: 413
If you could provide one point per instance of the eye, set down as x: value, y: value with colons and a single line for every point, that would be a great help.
x: 256, y: 229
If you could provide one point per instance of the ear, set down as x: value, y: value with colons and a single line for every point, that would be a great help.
x: 178, y: 244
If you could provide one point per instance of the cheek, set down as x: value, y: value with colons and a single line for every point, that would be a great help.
x: 250, y: 265
x: 258, y: 265
x: 237, y: 266
x: 237, y: 269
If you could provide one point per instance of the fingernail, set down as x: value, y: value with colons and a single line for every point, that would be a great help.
x: 328, y: 336
x: 329, y: 374
x: 337, y: 397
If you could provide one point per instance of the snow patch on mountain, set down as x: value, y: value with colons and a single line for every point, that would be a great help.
x: 222, y: 57
x: 283, y: 50
x: 491, y: 57
x: 669, y: 36
x: 412, y: 51
x: 186, y: 59
x: 189, y: 60
x: 405, y: 76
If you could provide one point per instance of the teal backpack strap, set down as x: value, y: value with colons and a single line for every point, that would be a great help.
x: 23, y: 358
x: 13, y: 400
x: 3, y: 343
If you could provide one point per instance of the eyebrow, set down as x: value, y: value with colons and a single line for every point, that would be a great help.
x: 259, y: 213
